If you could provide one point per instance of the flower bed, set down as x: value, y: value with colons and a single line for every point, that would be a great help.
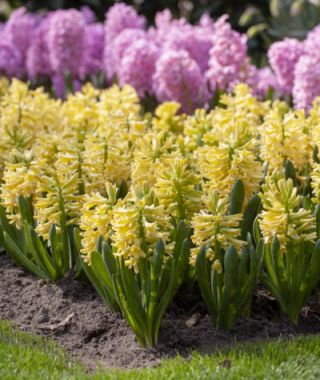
x: 141, y: 204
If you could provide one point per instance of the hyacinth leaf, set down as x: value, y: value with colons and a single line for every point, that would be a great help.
x: 123, y: 190
x: 203, y: 278
x: 55, y: 246
x: 136, y: 325
x: 129, y: 306
x: 260, y: 256
x: 20, y: 257
x: 307, y: 203
x: 228, y: 309
x: 99, y: 244
x: 290, y: 172
x: 256, y: 231
x: 75, y: 255
x: 98, y: 267
x: 256, y: 260
x: 270, y: 265
x: 99, y: 287
x: 174, y: 283
x: 317, y: 215
x: 145, y: 282
x: 316, y: 154
x: 311, y: 276
x: 237, y: 198
x: 157, y: 259
x: 182, y: 264
x: 66, y: 256
x: 25, y: 210
x: 5, y: 225
x: 156, y: 265
x: 41, y: 254
x: 77, y: 239
x: 182, y: 233
x: 249, y: 215
x: 243, y: 266
x: 108, y: 258
x: 279, y: 265
x: 132, y: 291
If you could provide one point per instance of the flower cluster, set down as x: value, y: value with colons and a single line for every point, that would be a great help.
x: 171, y: 61
x: 94, y: 183
x: 296, y: 66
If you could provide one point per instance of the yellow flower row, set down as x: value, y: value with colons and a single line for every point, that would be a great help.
x: 98, y: 161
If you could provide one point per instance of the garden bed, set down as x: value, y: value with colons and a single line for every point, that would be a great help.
x: 73, y: 314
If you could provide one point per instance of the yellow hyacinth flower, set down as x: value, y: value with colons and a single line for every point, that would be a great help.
x: 167, y: 118
x: 177, y: 188
x: 123, y: 100
x: 96, y: 217
x: 58, y: 200
x: 223, y: 164
x: 285, y: 136
x: 195, y: 127
x: 315, y: 182
x: 151, y: 152
x: 20, y: 179
x: 215, y: 229
x: 137, y: 225
x: 81, y: 111
x: 283, y: 215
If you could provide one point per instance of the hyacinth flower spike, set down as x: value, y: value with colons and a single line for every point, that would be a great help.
x: 227, y: 267
x: 292, y: 252
x: 139, y: 266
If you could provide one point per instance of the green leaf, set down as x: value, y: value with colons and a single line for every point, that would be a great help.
x: 317, y: 215
x: 77, y: 239
x: 248, y: 15
x: 25, y: 210
x: 19, y: 257
x: 256, y: 231
x: 315, y: 154
x: 55, y: 246
x: 254, y: 30
x: 237, y: 197
x: 296, y: 7
x: 249, y: 215
x: 275, y: 7
x: 6, y: 226
x: 99, y: 287
x: 123, y: 190
x: 99, y: 244
x: 42, y: 255
x: 157, y: 258
x: 230, y: 291
x: 109, y: 258
x: 203, y: 268
x: 98, y: 267
x: 290, y: 172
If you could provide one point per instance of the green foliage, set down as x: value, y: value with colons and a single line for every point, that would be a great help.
x: 49, y: 260
x: 228, y: 288
x: 293, y: 275
x: 228, y: 292
x: 142, y: 297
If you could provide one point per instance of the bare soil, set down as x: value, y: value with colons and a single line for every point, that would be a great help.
x: 72, y: 314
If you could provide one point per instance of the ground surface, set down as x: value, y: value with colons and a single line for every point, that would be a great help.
x: 72, y: 314
x: 25, y: 356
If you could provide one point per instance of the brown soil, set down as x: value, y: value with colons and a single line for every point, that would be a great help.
x: 73, y: 314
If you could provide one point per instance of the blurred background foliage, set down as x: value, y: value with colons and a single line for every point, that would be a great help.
x: 264, y: 21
